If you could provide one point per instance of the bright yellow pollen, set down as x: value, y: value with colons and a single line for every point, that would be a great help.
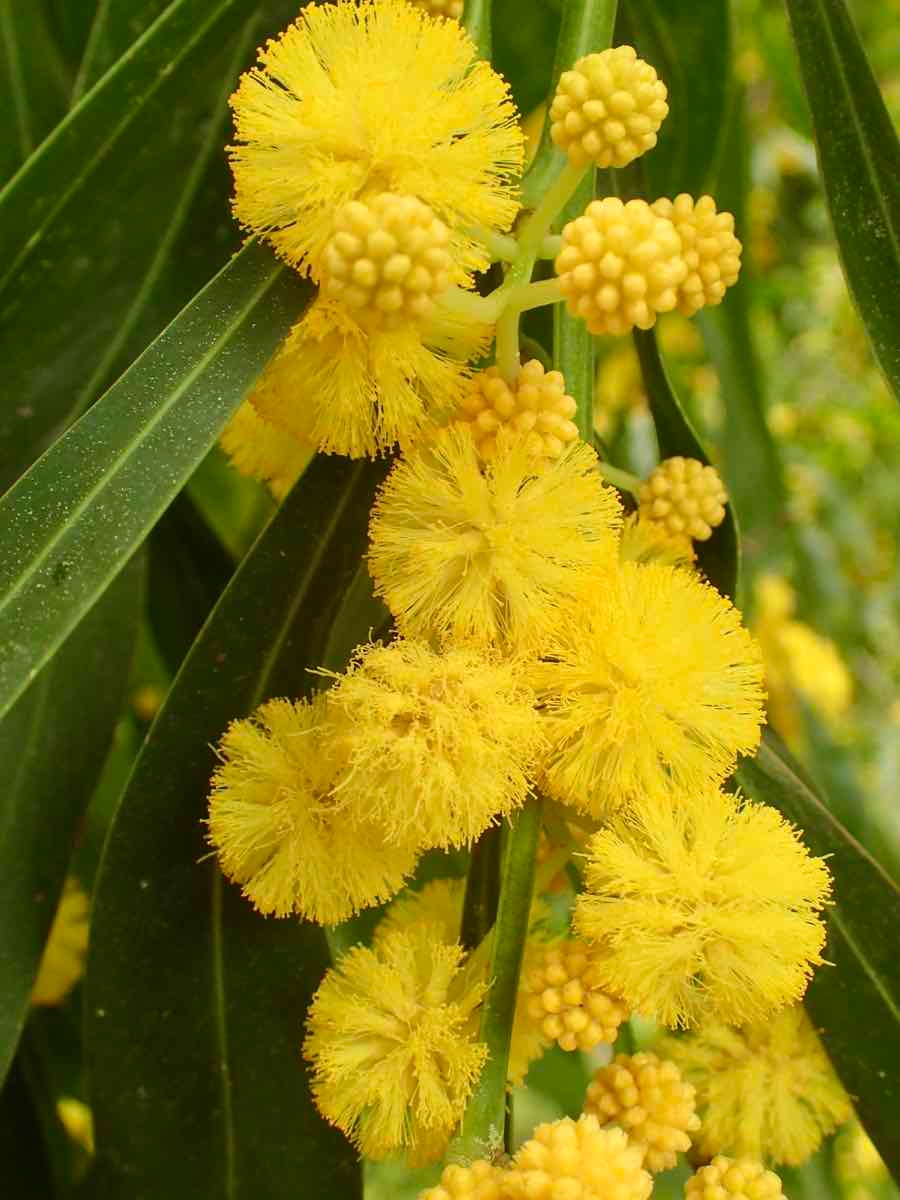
x: 620, y: 266
x: 701, y: 906
x: 440, y: 745
x: 709, y: 248
x: 685, y: 497
x: 386, y: 260
x: 263, y: 451
x: 608, y: 108
x: 766, y: 1090
x: 357, y: 98
x: 646, y: 541
x: 566, y: 1001
x: 468, y: 552
x: 480, y: 1181
x: 651, y: 687
x: 577, y: 1160
x: 733, y: 1179
x: 535, y: 404
x: 647, y: 1098
x: 276, y: 828
x: 392, y: 1061
x: 62, y: 964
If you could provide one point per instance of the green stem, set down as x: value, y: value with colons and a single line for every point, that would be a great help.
x: 469, y: 304
x: 573, y: 345
x: 483, y: 1124
x: 534, y: 295
x: 482, y: 889
x: 623, y: 480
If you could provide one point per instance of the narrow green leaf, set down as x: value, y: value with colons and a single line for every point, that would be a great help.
x: 718, y: 558
x: 117, y: 24
x: 690, y: 47
x: 33, y: 81
x: 195, y: 1002
x: 524, y: 39
x: 855, y: 1002
x: 860, y: 159
x: 88, y: 223
x: 477, y: 22
x: 114, y: 473
x: 54, y: 741
x: 71, y: 22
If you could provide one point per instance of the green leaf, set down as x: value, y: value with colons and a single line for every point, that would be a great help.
x: 718, y: 558
x: 71, y: 22
x: 195, y: 1002
x: 114, y: 473
x: 88, y: 224
x: 34, y: 84
x: 524, y: 38
x: 116, y: 25
x: 55, y: 740
x: 859, y: 155
x: 690, y: 47
x: 27, y: 1172
x: 855, y: 1002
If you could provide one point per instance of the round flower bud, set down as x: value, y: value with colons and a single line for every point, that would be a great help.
x: 577, y: 1160
x: 480, y: 1181
x: 620, y: 265
x: 386, y: 260
x: 608, y: 108
x: 646, y: 1097
x: 685, y: 497
x: 740, y: 1178
x: 536, y: 404
x: 441, y: 8
x: 709, y: 248
x: 566, y: 1001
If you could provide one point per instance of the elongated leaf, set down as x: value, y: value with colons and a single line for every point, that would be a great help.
x: 71, y: 22
x: 690, y: 47
x: 115, y: 27
x: 33, y: 81
x: 856, y: 1001
x: 53, y: 743
x: 195, y: 1002
x: 87, y: 224
x: 719, y: 558
x: 114, y: 473
x: 860, y: 159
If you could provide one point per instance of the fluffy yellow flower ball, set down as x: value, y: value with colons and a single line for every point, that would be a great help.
x: 487, y: 553
x: 263, y: 451
x: 277, y: 829
x: 733, y: 1179
x: 620, y: 266
x: 393, y: 1064
x: 646, y: 1097
x: 687, y: 498
x: 566, y: 1001
x: 608, y: 108
x: 703, y: 906
x: 651, y: 687
x: 709, y: 247
x: 645, y: 541
x: 480, y: 1181
x: 534, y: 404
x: 386, y: 261
x: 62, y: 963
x: 577, y: 1160
x: 355, y: 98
x: 440, y: 745
x: 766, y: 1090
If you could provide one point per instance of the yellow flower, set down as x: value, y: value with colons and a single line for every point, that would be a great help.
x: 358, y: 98
x: 647, y: 1098
x: 276, y: 828
x: 263, y: 451
x: 608, y: 108
x: 535, y: 404
x: 685, y: 497
x: 62, y: 964
x: 742, y: 1179
x: 393, y: 1064
x: 487, y: 553
x: 349, y: 391
x: 620, y: 266
x: 480, y: 1181
x: 703, y: 906
x: 646, y: 541
x: 766, y: 1090
x: 78, y: 1121
x: 440, y: 745
x: 565, y: 999
x: 708, y: 246
x: 652, y: 687
x: 577, y: 1160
